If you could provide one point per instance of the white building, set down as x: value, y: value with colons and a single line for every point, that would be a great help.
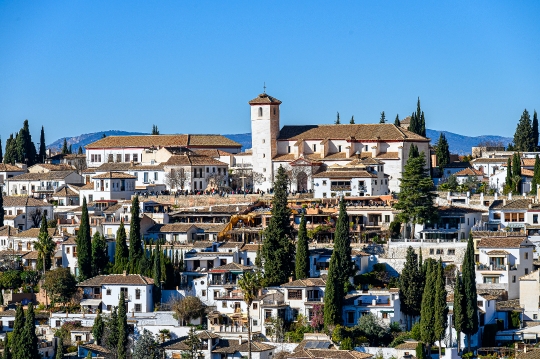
x: 8, y: 171
x: 25, y: 212
x: 103, y: 291
x: 529, y: 294
x: 111, y: 185
x: 382, y: 303
x: 41, y: 185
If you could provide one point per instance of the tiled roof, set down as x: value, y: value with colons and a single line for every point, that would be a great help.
x: 34, y: 233
x: 406, y: 120
x: 171, y: 228
x: 70, y: 240
x: 469, y: 171
x: 19, y: 201
x: 528, y: 162
x: 31, y: 255
x: 147, y: 141
x: 532, y: 353
x: 522, y: 203
x: 192, y: 160
x: 211, y: 227
x: 129, y: 279
x: 504, y: 242
x: 52, y: 167
x: 308, y: 282
x: 344, y: 174
x: 231, y: 346
x: 231, y: 245
x: 490, y: 160
x: 8, y: 231
x: 329, y: 354
x: 115, y: 175
x: 232, y: 266
x: 95, y: 348
x: 264, y: 99
x: 388, y: 155
x: 527, y: 173
x: 127, y: 166
x: 65, y: 191
x: 6, y: 167
x: 382, y: 132
x: 42, y: 176
x: 497, y: 252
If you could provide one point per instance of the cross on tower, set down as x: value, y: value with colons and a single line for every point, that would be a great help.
x: 264, y: 87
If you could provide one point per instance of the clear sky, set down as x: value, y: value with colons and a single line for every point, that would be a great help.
x: 191, y: 66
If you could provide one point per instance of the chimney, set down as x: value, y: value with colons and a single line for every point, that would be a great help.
x: 504, y: 202
x: 290, y: 279
x: 124, y: 273
x: 240, y: 340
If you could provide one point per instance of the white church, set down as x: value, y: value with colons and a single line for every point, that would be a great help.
x: 352, y: 155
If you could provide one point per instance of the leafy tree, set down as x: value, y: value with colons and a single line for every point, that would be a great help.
x: 536, y: 176
x: 188, y: 308
x: 135, y: 244
x: 42, y: 149
x: 440, y: 307
x: 342, y: 245
x: 410, y: 286
x: 194, y: 345
x: 278, y: 249
x: 302, y: 252
x: 122, y: 328
x: 397, y: 122
x: 470, y: 307
x: 443, y: 151
x: 250, y: 283
x: 383, y: 118
x: 98, y: 328
x: 100, y: 258
x: 84, y: 245
x: 334, y: 293
x: 18, y: 332
x: 458, y: 309
x: 317, y: 319
x: 352, y: 120
x: 524, y: 137
x: 416, y: 197
x: 11, y: 279
x: 337, y: 119
x: 155, y: 130
x: 372, y: 328
x: 147, y: 347
x: 121, y: 254
x: 427, y: 313
x: 60, y: 284
x: 65, y: 149
x: 7, y: 349
x: 44, y: 246
x: 421, y: 351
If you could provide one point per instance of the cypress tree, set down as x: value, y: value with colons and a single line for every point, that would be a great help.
x: 443, y: 151
x: 135, y: 245
x: 1, y: 155
x: 29, y: 348
x: 258, y: 257
x: 516, y: 173
x: 342, y: 245
x: 7, y: 349
x: 413, y: 152
x: 157, y: 274
x: 98, y: 328
x: 1, y: 207
x: 333, y: 294
x: 59, y: 350
x: 524, y: 137
x: 44, y: 246
x: 458, y: 309
x: 17, y: 334
x: 413, y: 124
x: 440, y: 307
x: 84, y: 245
x: 422, y: 124
x: 42, y: 150
x: 181, y: 264
x: 122, y: 328
x: 411, y: 287
x: 397, y: 122
x: 352, y: 120
x: 121, y: 254
x: 427, y: 314
x: 383, y: 118
x: 535, y: 131
x: 80, y: 150
x: 470, y: 308
x: 65, y: 149
x: 100, y: 258
x: 420, y: 351
x: 278, y: 249
x: 112, y: 329
x: 25, y: 150
x: 302, y: 252
x: 337, y: 119
x: 536, y: 176
x: 508, y: 180
x: 8, y: 155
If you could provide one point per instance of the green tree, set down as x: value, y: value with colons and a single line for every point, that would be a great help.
x: 516, y: 174
x: 44, y: 246
x: 65, y: 149
x: 535, y: 130
x: 1, y: 207
x: 342, y: 245
x: 7, y: 349
x: 524, y: 137
x: 194, y: 345
x: 536, y: 176
x: 25, y: 150
x: 443, y: 151
x: 250, y: 283
x: 301, y: 262
x: 42, y: 149
x: 337, y: 119
x: 397, y: 122
x: 411, y: 287
x: 11, y: 279
x: 383, y: 118
x: 333, y: 293
x: 111, y: 331
x: 100, y: 258
x: 352, y: 120
x: 155, y: 130
x: 258, y: 257
x: 420, y: 351
x: 98, y: 328
x: 372, y: 328
x: 17, y: 334
x: 121, y: 254
x: 508, y: 180
x: 416, y: 197
x: 458, y: 309
x: 188, y: 308
x: 157, y: 274
x: 413, y: 152
x: 147, y: 347
x: 9, y: 156
x: 470, y: 308
x: 80, y: 150
x: 122, y: 328
x: 427, y: 313
x: 84, y: 245
x: 1, y: 154
x: 278, y: 249
x: 440, y: 307
x: 418, y: 122
x: 60, y: 285
x: 29, y: 344
x: 135, y: 243
x: 59, y: 349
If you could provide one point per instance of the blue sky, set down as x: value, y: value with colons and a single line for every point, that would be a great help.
x: 190, y: 67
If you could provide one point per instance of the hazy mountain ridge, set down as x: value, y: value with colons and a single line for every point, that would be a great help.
x: 459, y: 144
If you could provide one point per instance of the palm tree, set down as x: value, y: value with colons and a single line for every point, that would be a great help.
x: 250, y: 283
x: 164, y: 335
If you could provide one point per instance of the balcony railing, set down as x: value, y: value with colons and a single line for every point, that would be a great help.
x: 496, y: 267
x: 314, y: 299
x: 340, y: 188
x: 222, y: 282
x: 44, y: 188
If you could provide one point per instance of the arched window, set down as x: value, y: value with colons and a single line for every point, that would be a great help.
x: 260, y: 111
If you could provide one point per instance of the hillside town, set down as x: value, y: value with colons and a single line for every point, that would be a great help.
x: 336, y: 240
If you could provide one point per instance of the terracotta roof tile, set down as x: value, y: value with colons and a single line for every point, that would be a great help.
x: 504, y: 242
x: 133, y: 279
x: 147, y: 141
x: 171, y: 228
x: 19, y: 201
x: 127, y: 166
x: 193, y: 160
x: 388, y: 155
x: 469, y: 172
x: 8, y: 231
x: 34, y: 233
x: 308, y: 282
x: 6, y: 167
x: 344, y: 174
x: 115, y: 175
x: 264, y: 99
x: 232, y: 266
x: 42, y: 176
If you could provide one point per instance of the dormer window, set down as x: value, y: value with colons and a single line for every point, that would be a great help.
x: 314, y: 148
x: 260, y: 111
x: 339, y: 148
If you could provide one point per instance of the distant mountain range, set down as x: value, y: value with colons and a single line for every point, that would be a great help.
x: 458, y: 143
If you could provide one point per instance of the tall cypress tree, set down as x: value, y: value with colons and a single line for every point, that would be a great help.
x: 427, y: 315
x: 8, y: 155
x: 414, y: 126
x: 65, y: 149
x: 25, y: 150
x: 17, y: 334
x: 135, y: 245
x: 440, y: 307
x: 121, y: 253
x: 458, y: 309
x: 84, y: 245
x: 1, y: 153
x: 302, y: 252
x: 443, y: 151
x: 98, y: 328
x: 516, y: 174
x: 411, y: 287
x: 278, y: 249
x: 397, y: 122
x: 112, y: 329
x: 508, y: 180
x: 7, y: 349
x: 59, y: 349
x: 535, y: 131
x: 100, y: 259
x: 470, y: 309
x: 337, y: 119
x: 536, y: 176
x: 413, y: 152
x: 1, y: 206
x: 122, y: 328
x: 524, y: 137
x: 42, y: 150
x: 342, y: 245
x: 383, y: 118
x: 352, y: 120
x: 29, y: 348
x: 422, y: 124
x: 333, y: 294
x: 45, y: 247
x: 157, y: 274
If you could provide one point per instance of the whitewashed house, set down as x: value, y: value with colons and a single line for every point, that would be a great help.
x: 25, y: 212
x: 382, y: 303
x: 40, y: 185
x: 113, y: 186
x: 7, y: 171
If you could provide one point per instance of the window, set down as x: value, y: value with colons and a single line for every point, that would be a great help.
x: 440, y: 251
x: 431, y: 251
x: 207, y: 169
x: 526, y: 270
x: 295, y: 294
x: 324, y: 194
x: 451, y: 252
x: 11, y: 323
x: 74, y: 251
x: 324, y: 183
x: 264, y: 155
x: 480, y: 303
x: 339, y: 148
x: 109, y: 307
x: 203, y: 292
x: 108, y: 292
x: 155, y: 176
x: 260, y: 112
x: 264, y: 169
x: 491, y: 280
x: 137, y: 294
x: 110, y: 157
x: 224, y: 304
x: 145, y: 176
x: 255, y: 322
x: 135, y: 157
x: 288, y: 149
x: 263, y: 141
x: 126, y: 157
x: 350, y: 317
x: 67, y: 250
x: 124, y: 290
x: 138, y: 307
x: 385, y: 315
x: 119, y: 157
x: 387, y: 218
x: 255, y: 306
x: 314, y: 148
x: 526, y: 255
x: 513, y: 279
x: 535, y: 316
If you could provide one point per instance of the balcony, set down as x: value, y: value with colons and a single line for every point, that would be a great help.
x: 496, y: 267
x: 340, y: 188
x: 222, y: 282
x: 45, y: 189
x: 311, y: 300
x: 229, y: 296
